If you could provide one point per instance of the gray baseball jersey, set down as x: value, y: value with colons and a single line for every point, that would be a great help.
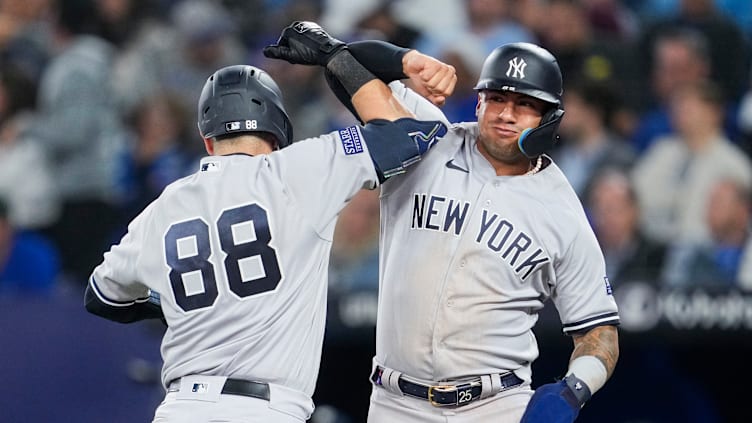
x: 469, y: 258
x: 239, y: 253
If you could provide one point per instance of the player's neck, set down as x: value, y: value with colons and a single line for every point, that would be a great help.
x: 252, y: 146
x: 535, y: 166
x: 521, y: 167
x: 526, y: 167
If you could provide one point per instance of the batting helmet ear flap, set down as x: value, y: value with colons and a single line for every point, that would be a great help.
x: 535, y: 141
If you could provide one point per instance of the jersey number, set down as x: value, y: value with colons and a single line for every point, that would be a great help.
x: 191, y: 264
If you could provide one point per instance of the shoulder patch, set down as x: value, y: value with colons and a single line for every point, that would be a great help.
x: 210, y: 167
x: 351, y: 140
x: 609, y: 291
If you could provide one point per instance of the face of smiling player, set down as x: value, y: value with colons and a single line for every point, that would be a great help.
x: 502, y: 116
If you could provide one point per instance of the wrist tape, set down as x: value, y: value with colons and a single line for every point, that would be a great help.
x: 350, y: 73
x: 590, y: 370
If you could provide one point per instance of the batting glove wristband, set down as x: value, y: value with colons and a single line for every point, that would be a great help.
x: 305, y: 43
x: 558, y: 402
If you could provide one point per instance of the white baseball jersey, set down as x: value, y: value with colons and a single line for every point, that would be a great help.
x: 468, y: 259
x: 239, y: 253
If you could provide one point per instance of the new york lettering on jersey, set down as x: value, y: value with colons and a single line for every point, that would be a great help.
x: 515, y: 246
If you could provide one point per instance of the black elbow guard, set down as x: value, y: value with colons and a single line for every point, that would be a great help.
x: 396, y: 145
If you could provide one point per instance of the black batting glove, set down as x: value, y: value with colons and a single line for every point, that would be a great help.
x: 305, y: 43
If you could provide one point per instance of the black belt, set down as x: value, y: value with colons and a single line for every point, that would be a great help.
x: 446, y: 395
x: 244, y: 388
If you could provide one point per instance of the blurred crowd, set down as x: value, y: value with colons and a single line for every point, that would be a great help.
x: 98, y: 98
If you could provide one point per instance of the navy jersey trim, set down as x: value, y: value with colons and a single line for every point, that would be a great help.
x: 589, y: 323
x: 111, y: 302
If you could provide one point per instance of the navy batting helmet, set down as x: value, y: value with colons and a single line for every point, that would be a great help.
x: 532, y: 70
x: 243, y: 98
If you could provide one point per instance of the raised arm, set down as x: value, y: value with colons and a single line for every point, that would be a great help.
x: 308, y: 44
x: 429, y: 77
x: 371, y: 98
x: 395, y: 139
x: 350, y: 67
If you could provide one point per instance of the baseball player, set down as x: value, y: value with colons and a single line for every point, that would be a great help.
x: 238, y: 252
x: 474, y: 240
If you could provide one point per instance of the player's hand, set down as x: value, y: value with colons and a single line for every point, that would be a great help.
x: 305, y: 43
x: 429, y: 77
x: 556, y: 402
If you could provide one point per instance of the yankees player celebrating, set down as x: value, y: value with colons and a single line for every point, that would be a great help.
x: 239, y: 251
x: 474, y: 240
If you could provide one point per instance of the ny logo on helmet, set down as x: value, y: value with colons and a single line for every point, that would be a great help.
x: 516, y: 68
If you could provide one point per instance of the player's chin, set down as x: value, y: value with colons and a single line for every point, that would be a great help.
x: 506, y: 151
x: 507, y: 144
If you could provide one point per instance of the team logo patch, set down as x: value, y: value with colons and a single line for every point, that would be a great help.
x: 426, y: 141
x: 451, y: 165
x: 351, y: 141
x: 241, y: 125
x: 200, y: 388
x: 516, y: 68
x: 609, y: 291
x: 210, y: 167
x: 300, y: 27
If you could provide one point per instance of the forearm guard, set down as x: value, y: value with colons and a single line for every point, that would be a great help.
x: 382, y: 59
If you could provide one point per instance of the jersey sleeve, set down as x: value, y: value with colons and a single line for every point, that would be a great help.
x: 583, y: 294
x: 115, y: 281
x: 414, y: 102
x: 323, y: 173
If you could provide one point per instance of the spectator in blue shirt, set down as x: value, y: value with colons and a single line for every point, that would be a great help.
x: 28, y: 262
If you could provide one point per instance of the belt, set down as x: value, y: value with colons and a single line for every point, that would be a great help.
x: 244, y: 388
x: 446, y: 395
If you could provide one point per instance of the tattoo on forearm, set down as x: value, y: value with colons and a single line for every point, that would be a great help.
x: 602, y: 343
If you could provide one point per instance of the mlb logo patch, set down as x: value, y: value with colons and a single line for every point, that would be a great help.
x: 210, y: 167
x: 609, y: 291
x: 351, y: 141
x: 200, y: 388
x: 232, y: 126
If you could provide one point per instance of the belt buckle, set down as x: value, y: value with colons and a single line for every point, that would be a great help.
x: 443, y: 389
